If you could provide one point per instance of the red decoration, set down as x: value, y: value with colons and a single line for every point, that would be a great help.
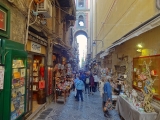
x: 153, y: 72
x: 2, y: 20
x: 42, y: 71
x: 41, y: 84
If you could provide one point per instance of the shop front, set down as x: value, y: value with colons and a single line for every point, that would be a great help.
x: 62, y: 75
x: 136, y: 69
x: 36, y: 73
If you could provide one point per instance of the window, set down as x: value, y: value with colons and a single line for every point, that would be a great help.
x: 80, y: 3
x: 81, y: 21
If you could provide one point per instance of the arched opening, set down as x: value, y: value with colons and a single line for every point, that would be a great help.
x: 82, y: 41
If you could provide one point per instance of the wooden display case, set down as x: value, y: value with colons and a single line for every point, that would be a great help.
x: 139, y: 68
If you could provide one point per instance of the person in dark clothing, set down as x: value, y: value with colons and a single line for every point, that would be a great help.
x: 82, y: 77
x: 87, y: 81
x: 91, y: 84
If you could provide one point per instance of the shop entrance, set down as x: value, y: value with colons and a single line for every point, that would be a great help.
x: 35, y: 74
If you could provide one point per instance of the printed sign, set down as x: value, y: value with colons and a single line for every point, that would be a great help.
x: 2, y: 20
x: 35, y: 47
x: 1, y: 76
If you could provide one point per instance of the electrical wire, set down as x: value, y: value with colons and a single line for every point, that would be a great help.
x: 106, y: 17
x: 119, y: 20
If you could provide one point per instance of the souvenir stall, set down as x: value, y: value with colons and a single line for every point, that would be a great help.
x: 137, y: 101
x: 63, y: 81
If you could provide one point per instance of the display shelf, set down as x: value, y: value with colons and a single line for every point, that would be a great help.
x: 35, y: 90
x: 18, y: 87
x: 156, y: 97
x: 18, y: 67
x: 141, y: 72
x: 154, y: 75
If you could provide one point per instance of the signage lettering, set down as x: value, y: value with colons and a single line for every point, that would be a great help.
x: 35, y: 47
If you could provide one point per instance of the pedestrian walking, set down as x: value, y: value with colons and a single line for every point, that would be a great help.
x: 91, y: 83
x: 87, y: 82
x: 101, y: 86
x: 96, y: 80
x: 107, y: 96
x: 107, y: 90
x: 75, y: 81
x: 80, y: 87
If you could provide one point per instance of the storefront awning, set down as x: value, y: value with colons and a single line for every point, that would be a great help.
x: 144, y: 27
x: 105, y: 53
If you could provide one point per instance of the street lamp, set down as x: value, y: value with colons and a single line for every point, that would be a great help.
x: 94, y: 44
x: 95, y: 41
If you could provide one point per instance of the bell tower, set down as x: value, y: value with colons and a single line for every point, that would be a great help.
x: 83, y: 24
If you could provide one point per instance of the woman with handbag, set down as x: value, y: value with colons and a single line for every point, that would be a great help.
x: 107, y: 96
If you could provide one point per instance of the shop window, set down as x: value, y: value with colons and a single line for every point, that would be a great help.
x: 80, y: 3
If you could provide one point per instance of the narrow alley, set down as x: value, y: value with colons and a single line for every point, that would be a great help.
x: 89, y: 109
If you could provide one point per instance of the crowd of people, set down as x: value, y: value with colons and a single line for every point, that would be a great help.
x: 89, y: 83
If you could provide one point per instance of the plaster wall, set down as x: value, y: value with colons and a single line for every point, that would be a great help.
x: 115, y: 18
x: 150, y: 42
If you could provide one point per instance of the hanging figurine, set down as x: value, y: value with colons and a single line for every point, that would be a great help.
x: 42, y: 70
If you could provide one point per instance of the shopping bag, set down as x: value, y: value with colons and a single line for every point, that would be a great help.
x: 108, y: 105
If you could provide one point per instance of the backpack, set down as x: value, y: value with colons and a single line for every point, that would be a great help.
x: 87, y: 80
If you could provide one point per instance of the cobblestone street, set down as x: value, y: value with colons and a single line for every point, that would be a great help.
x: 89, y: 109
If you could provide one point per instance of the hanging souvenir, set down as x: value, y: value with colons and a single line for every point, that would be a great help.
x: 42, y: 70
x: 59, y: 66
x: 62, y: 67
x: 142, y: 77
x: 41, y: 84
x: 38, y: 1
x: 16, y: 75
x: 137, y: 72
x: 153, y: 72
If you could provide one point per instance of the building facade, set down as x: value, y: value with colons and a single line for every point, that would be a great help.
x: 122, y: 30
x: 44, y: 29
x: 83, y: 25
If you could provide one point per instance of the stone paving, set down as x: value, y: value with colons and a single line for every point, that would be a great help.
x: 89, y: 109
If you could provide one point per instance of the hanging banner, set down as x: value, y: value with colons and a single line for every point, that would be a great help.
x: 1, y: 76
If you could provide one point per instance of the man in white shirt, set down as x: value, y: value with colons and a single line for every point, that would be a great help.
x: 96, y: 80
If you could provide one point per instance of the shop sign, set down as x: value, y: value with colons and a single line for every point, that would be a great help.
x: 35, y: 47
x: 37, y: 39
x: 2, y: 20
x: 1, y: 76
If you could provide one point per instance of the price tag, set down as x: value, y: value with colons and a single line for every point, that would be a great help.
x: 1, y: 76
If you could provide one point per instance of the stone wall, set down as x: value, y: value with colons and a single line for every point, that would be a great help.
x: 17, y: 19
